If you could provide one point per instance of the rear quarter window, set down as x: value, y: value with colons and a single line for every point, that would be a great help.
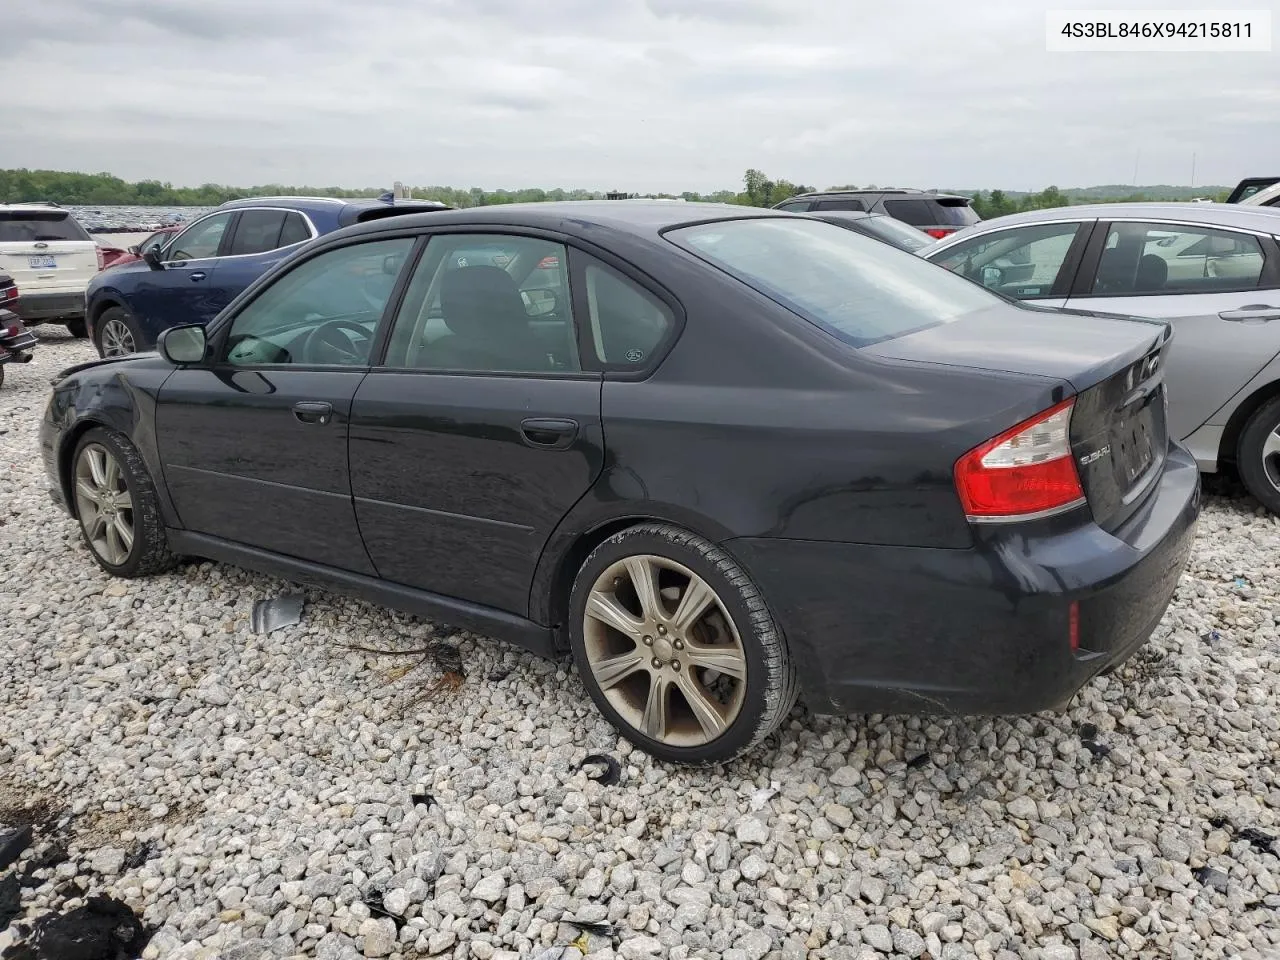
x: 860, y: 290
x: 30, y: 226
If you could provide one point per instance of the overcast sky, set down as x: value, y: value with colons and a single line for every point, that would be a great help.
x: 628, y: 94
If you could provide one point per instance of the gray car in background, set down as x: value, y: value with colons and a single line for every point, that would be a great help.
x: 1211, y: 269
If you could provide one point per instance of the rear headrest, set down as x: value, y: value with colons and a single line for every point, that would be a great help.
x: 1153, y: 272
x: 479, y: 299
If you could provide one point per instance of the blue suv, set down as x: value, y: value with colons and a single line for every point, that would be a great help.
x: 202, y: 269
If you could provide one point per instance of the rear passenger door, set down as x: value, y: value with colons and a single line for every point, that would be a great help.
x: 1219, y: 288
x: 262, y: 237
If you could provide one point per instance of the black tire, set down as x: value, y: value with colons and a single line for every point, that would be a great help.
x: 2, y: 366
x: 770, y: 683
x: 1255, y: 471
x: 114, y: 315
x: 149, y: 553
x: 78, y: 328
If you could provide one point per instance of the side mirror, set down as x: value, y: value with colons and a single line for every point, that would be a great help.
x: 135, y: 251
x: 540, y: 303
x: 152, y: 257
x: 183, y: 345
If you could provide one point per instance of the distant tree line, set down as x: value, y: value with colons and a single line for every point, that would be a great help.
x: 758, y: 189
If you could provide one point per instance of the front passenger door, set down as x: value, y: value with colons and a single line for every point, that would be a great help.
x: 184, y: 291
x: 254, y: 446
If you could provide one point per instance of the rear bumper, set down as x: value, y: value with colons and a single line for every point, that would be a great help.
x: 43, y: 307
x: 984, y: 630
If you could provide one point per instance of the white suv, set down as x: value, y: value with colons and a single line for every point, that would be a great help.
x: 52, y: 259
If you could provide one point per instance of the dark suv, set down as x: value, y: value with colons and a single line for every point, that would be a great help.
x: 937, y: 214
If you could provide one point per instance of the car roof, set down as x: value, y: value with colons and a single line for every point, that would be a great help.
x: 39, y: 206
x: 864, y: 191
x: 645, y: 218
x: 326, y: 204
x: 1264, y: 219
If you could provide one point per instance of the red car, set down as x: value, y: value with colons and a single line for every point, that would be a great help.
x: 114, y: 256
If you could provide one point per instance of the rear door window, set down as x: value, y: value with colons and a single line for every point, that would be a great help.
x: 257, y: 232
x: 33, y: 226
x: 1149, y: 259
x: 860, y: 290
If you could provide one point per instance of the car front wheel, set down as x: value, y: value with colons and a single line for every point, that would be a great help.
x: 116, y: 334
x: 117, y: 506
x: 1258, y: 455
x: 676, y: 646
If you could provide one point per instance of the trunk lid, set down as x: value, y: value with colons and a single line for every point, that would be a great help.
x: 46, y: 251
x: 1115, y: 366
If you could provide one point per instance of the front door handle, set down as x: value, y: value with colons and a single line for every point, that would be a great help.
x: 197, y: 275
x: 1254, y: 311
x: 313, y: 411
x: 549, y: 434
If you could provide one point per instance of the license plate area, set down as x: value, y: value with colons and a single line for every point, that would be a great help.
x: 1133, y: 446
x: 42, y: 262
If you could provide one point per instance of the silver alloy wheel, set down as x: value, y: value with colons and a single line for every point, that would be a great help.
x: 117, y: 339
x: 665, y: 651
x: 1271, y: 457
x: 104, y: 504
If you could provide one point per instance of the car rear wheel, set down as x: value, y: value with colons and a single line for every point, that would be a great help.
x: 676, y: 646
x: 117, y: 506
x: 77, y: 328
x: 116, y: 333
x: 1258, y: 455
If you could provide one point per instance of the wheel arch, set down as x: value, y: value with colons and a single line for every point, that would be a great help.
x: 1240, y: 418
x: 566, y: 552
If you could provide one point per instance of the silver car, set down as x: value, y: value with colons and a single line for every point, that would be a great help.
x: 1211, y: 269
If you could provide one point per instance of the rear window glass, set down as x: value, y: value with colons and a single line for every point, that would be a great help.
x: 896, y: 232
x: 858, y: 289
x: 929, y: 213
x: 31, y: 226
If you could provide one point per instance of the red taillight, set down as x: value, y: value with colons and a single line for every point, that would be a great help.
x: 1027, y: 470
x: 10, y: 294
x: 939, y: 232
x: 102, y: 260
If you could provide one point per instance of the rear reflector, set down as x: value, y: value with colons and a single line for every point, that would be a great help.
x: 1073, y: 625
x: 1025, y: 472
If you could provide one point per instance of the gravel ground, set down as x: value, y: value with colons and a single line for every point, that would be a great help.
x: 250, y: 795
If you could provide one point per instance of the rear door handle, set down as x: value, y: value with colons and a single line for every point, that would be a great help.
x: 1254, y: 311
x: 313, y: 411
x: 197, y: 275
x: 549, y: 434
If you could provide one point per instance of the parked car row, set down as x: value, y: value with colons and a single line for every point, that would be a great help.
x: 724, y: 456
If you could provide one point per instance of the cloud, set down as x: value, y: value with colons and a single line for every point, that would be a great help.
x: 626, y: 94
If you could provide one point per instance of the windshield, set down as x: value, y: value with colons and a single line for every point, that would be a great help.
x: 896, y: 232
x: 31, y: 226
x: 862, y: 291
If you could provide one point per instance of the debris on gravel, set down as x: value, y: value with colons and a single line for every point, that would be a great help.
x: 299, y: 793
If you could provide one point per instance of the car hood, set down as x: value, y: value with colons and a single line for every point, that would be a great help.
x: 1078, y: 346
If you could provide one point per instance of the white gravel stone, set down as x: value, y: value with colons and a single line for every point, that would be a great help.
x: 246, y: 793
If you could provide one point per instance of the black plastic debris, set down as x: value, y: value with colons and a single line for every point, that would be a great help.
x: 1088, y: 731
x: 102, y: 929
x: 270, y: 615
x: 599, y: 928
x: 607, y: 777
x: 374, y: 902
x: 1099, y: 750
x: 1212, y: 636
x: 1262, y: 842
x: 918, y: 761
x: 1211, y: 878
x: 12, y: 843
x: 140, y: 855
x: 499, y: 675
x: 1219, y: 823
x: 426, y: 799
x: 448, y: 658
x: 10, y: 899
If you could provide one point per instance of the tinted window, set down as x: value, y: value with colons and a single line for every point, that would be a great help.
x: 1151, y: 258
x: 840, y: 205
x: 627, y: 322
x: 258, y: 232
x: 929, y: 213
x: 324, y: 311
x: 1022, y: 262
x: 861, y: 290
x: 487, y: 303
x: 795, y: 206
x: 956, y: 213
x: 200, y: 239
x: 34, y: 226
x: 295, y: 230
x: 893, y: 231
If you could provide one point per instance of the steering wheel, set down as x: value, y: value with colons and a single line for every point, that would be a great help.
x: 326, y: 335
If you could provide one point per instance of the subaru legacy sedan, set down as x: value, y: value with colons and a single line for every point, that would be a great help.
x: 728, y: 457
